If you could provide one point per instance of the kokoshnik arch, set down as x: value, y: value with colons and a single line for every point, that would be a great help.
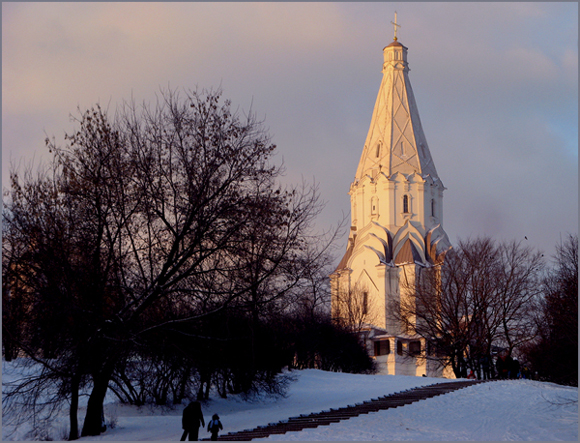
x: 396, y: 225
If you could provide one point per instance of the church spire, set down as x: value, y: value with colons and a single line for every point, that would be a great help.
x: 396, y: 225
x: 395, y: 141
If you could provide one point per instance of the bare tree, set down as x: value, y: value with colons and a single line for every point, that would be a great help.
x: 484, y: 295
x: 354, y: 308
x: 43, y: 278
x: 554, y: 355
x: 517, y: 293
x: 313, y: 300
x: 166, y: 216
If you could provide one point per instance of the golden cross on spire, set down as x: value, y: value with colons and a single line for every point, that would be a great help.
x: 395, y: 25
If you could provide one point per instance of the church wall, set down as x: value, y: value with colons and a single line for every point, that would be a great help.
x: 439, y: 204
x: 391, y: 284
x: 428, y: 194
x: 360, y: 207
x: 382, y: 201
x: 386, y: 364
x: 388, y: 206
x: 427, y: 205
x: 365, y: 261
x: 340, y: 283
x: 383, y: 364
x: 403, y: 364
x: 418, y: 191
x: 407, y: 281
x: 381, y: 270
x: 398, y: 193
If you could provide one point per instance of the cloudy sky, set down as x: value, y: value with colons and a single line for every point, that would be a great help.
x: 496, y: 85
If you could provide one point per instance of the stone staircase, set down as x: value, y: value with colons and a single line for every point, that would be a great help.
x: 324, y: 418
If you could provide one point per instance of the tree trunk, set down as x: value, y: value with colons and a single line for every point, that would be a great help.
x: 182, y: 386
x: 94, y: 419
x: 206, y: 394
x: 205, y: 380
x: 456, y: 365
x: 74, y: 406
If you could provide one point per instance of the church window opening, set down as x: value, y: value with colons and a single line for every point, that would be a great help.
x: 378, y: 149
x: 374, y: 205
x: 415, y: 347
x: 432, y: 207
x: 406, y: 204
x: 399, y: 347
x: 382, y: 347
x: 432, y: 349
x: 365, y: 303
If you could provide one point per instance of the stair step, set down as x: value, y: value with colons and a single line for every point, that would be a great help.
x: 329, y: 416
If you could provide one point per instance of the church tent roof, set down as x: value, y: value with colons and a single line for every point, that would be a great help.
x: 395, y: 141
x: 345, y: 257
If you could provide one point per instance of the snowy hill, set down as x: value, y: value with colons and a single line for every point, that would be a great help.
x: 502, y: 410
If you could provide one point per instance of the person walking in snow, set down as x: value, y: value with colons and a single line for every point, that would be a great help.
x: 214, y: 427
x: 526, y: 372
x: 503, y: 365
x: 515, y: 369
x: 192, y: 419
x: 485, y: 367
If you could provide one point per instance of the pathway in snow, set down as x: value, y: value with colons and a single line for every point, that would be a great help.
x: 324, y: 418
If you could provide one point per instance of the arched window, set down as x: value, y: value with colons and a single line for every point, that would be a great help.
x: 432, y: 207
x: 378, y: 149
x: 406, y: 204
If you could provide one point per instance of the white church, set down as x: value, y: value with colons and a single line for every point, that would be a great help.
x: 396, y: 224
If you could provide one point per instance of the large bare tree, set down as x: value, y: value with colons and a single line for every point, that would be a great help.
x: 157, y: 219
x: 485, y: 295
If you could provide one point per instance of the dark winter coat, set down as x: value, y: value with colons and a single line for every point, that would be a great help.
x: 192, y: 416
x: 515, y: 369
x: 503, y: 366
x: 484, y: 361
x: 214, y: 426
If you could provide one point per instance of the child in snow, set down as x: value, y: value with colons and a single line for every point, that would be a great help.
x: 214, y: 426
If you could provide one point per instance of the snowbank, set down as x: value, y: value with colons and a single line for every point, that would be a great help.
x: 503, y: 410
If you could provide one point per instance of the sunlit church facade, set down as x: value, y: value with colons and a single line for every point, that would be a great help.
x: 396, y: 224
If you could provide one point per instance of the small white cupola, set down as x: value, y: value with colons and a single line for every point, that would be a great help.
x: 395, y: 56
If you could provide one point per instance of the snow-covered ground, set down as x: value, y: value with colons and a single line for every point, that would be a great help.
x: 502, y: 410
